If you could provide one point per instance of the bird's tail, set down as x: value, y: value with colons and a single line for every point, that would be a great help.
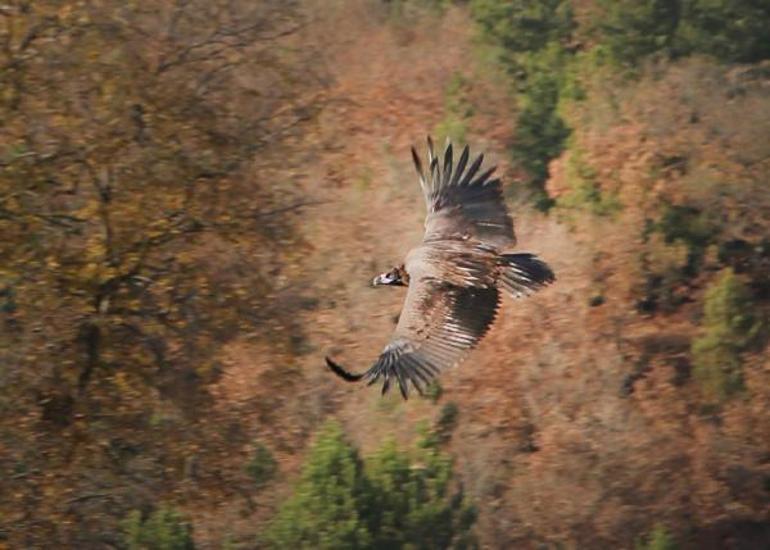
x: 524, y: 274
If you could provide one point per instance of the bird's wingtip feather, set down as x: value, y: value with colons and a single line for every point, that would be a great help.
x: 338, y: 369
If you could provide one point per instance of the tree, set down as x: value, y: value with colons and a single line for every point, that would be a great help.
x: 262, y: 465
x: 163, y: 529
x: 123, y: 152
x: 631, y: 30
x: 729, y: 328
x: 142, y: 217
x: 390, y: 501
x: 525, y: 26
x: 536, y: 41
x: 540, y: 132
x: 412, y: 503
x: 730, y: 30
x: 327, y: 507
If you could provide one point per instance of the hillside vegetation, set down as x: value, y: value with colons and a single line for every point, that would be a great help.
x: 194, y: 196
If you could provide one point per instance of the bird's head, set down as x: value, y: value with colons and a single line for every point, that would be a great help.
x: 395, y: 277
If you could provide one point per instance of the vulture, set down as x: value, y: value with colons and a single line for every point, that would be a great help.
x: 454, y: 277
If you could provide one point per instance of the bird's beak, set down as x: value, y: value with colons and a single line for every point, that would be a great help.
x: 377, y: 280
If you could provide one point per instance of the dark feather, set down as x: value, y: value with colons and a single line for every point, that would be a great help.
x: 472, y: 170
x: 402, y: 386
x: 474, y: 309
x: 460, y: 166
x: 418, y: 164
x: 464, y: 204
x: 447, y: 165
x: 341, y: 372
x: 482, y: 179
x: 464, y: 315
x: 524, y: 273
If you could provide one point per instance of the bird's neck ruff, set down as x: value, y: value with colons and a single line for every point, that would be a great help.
x: 402, y: 274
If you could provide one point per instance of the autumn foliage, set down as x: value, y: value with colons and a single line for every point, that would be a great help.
x: 194, y: 195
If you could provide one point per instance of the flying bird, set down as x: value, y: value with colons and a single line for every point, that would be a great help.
x: 454, y: 276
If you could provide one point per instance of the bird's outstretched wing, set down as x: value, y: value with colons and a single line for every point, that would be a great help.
x: 453, y: 297
x: 463, y: 203
x: 439, y: 323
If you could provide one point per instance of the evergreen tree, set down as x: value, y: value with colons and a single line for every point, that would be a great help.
x: 394, y: 502
x: 632, y: 29
x: 325, y: 510
x: 411, y: 503
x: 730, y: 30
x: 164, y: 529
x: 524, y: 26
x: 535, y: 38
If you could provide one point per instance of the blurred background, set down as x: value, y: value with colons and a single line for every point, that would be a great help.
x: 195, y: 195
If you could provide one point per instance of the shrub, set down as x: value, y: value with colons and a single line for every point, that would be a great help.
x: 729, y: 327
x: 584, y: 191
x: 675, y: 247
x: 457, y: 110
x: 691, y: 227
x: 262, y: 466
x: 447, y: 421
x: 434, y: 391
x: 163, y: 529
x: 658, y: 539
x: 663, y: 290
x: 403, y: 11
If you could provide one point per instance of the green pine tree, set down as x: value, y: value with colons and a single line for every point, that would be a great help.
x: 164, y: 529
x: 535, y: 39
x: 412, y: 503
x: 325, y: 510
x: 730, y: 30
x: 394, y: 501
x: 632, y: 29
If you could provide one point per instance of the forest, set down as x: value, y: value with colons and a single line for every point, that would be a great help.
x: 196, y: 194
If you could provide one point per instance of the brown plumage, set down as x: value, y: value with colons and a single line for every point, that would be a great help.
x: 453, y: 276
